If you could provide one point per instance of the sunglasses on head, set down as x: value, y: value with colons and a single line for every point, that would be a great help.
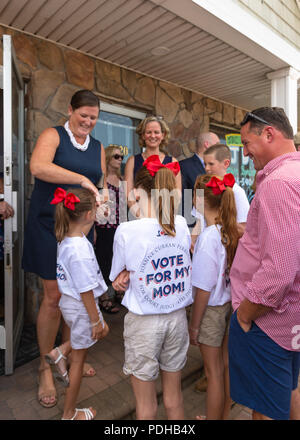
x: 249, y: 116
x: 118, y: 156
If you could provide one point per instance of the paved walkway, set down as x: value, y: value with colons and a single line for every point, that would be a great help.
x: 109, y: 391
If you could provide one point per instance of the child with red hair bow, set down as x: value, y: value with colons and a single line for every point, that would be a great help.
x: 213, y: 255
x: 155, y: 251
x: 80, y: 283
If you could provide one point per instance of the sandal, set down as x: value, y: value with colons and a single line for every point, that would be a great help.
x: 87, y: 412
x: 108, y: 306
x: 47, y: 394
x: 201, y: 417
x: 61, y: 373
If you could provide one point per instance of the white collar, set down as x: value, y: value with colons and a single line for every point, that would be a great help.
x: 81, y: 147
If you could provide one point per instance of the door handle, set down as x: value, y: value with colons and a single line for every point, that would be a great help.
x: 15, y: 208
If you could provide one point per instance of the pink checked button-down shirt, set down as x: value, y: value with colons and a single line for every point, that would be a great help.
x: 266, y: 268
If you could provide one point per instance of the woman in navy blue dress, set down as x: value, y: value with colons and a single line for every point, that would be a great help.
x: 65, y: 156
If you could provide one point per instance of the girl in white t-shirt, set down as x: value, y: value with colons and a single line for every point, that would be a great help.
x: 213, y: 255
x: 155, y: 251
x: 80, y: 282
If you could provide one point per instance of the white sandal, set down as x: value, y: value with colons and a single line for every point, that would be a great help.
x: 87, y: 412
x: 59, y: 374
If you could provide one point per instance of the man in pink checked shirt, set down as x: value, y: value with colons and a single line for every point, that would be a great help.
x: 264, y: 337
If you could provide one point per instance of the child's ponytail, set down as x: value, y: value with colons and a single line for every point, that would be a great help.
x: 61, y: 222
x: 165, y: 200
x: 224, y: 202
x: 229, y: 229
x: 160, y: 185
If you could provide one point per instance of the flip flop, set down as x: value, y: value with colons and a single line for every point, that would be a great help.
x: 87, y: 412
x: 61, y: 373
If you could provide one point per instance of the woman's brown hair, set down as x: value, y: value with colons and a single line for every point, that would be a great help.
x: 225, y: 204
x: 162, y: 187
x: 83, y: 98
x: 64, y: 215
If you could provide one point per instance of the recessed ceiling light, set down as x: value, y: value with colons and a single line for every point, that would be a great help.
x: 160, y: 50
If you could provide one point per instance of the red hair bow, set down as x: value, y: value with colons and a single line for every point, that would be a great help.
x: 153, y: 164
x: 218, y: 186
x: 61, y: 195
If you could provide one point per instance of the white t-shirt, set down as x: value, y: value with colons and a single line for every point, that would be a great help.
x: 241, y: 203
x: 209, y: 265
x: 159, y: 266
x: 77, y: 269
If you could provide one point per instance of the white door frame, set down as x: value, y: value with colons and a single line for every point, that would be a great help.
x: 14, y: 226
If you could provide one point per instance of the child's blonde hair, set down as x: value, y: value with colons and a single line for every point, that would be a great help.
x: 64, y: 215
x: 165, y: 203
x: 225, y: 204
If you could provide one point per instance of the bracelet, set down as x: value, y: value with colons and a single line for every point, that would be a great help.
x: 96, y: 323
x: 194, y: 329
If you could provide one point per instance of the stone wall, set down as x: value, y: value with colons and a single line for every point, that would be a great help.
x: 53, y: 73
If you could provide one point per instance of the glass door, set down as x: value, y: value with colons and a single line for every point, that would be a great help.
x: 13, y: 182
x: 116, y: 126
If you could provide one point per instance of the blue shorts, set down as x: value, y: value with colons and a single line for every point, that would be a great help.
x: 262, y: 374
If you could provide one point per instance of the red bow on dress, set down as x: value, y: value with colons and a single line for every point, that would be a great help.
x: 61, y: 195
x: 153, y: 164
x: 218, y: 186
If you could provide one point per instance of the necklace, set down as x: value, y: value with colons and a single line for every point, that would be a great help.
x: 81, y: 147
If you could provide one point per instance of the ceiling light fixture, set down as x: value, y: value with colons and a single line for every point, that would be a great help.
x: 160, y: 50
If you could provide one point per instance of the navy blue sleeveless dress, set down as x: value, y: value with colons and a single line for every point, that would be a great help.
x: 139, y: 160
x: 39, y: 253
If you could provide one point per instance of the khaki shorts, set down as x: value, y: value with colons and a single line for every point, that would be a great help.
x: 214, y: 325
x: 154, y: 342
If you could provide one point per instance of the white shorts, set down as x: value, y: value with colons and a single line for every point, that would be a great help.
x: 154, y: 342
x: 78, y: 320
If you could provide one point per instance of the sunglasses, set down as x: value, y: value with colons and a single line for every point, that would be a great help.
x: 249, y: 116
x: 118, y: 156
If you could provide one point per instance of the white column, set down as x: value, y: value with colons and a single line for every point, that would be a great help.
x: 284, y: 92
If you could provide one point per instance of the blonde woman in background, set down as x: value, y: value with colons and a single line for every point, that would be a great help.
x: 106, y: 228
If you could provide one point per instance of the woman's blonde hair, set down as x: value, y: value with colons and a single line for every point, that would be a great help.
x: 225, y: 204
x: 64, y: 215
x: 141, y: 128
x: 109, y: 151
x: 165, y: 201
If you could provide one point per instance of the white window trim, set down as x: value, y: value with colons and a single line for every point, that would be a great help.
x: 124, y: 111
